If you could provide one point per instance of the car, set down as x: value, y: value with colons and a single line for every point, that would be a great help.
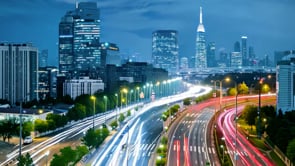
x: 28, y: 140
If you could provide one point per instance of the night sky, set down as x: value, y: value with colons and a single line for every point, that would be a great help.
x: 269, y: 24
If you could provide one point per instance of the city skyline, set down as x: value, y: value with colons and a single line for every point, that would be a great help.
x: 267, y: 30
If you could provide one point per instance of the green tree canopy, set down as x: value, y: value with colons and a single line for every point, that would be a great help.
x: 27, y: 128
x: 291, y: 150
x: 243, y: 88
x: 41, y: 125
x: 77, y: 112
x: 25, y: 160
x: 250, y: 114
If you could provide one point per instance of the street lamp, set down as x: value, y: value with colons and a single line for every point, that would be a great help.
x: 137, y: 88
x: 105, y: 107
x: 93, y: 98
x: 116, y: 105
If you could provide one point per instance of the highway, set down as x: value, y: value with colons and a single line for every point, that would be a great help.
x: 189, y: 142
x: 244, y: 153
x: 140, y: 135
x: 73, y: 132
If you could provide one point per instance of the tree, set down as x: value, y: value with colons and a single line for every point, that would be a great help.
x: 114, y: 124
x: 232, y: 91
x: 90, y: 139
x: 59, y: 120
x: 128, y: 113
x: 25, y: 160
x: 265, y: 88
x: 27, y: 128
x: 243, y: 88
x: 291, y: 150
x: 41, y: 125
x: 77, y: 112
x: 121, y: 118
x: 187, y: 101
x: 8, y: 128
x: 250, y: 114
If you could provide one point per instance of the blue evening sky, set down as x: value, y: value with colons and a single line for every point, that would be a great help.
x: 269, y: 24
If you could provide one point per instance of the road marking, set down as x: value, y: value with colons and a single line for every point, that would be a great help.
x: 213, y: 151
x: 209, y: 150
x: 190, y: 148
x: 143, y: 154
x: 203, y: 149
x: 199, y: 149
x: 149, y: 154
x: 184, y: 148
x: 195, y: 148
x: 150, y: 145
x: 153, y: 146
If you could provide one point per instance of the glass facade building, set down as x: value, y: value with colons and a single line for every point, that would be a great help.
x: 79, y: 35
x: 201, y: 58
x: 165, y: 50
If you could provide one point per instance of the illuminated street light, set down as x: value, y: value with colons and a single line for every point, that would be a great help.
x: 93, y: 98
x: 106, y: 107
x: 117, y: 98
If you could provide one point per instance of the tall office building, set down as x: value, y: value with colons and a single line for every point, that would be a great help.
x: 110, y: 54
x: 211, y: 62
x: 18, y: 72
x: 43, y: 57
x: 236, y: 60
x: 285, y: 85
x: 237, y: 47
x: 165, y: 50
x: 244, y: 51
x: 201, y: 59
x: 79, y: 35
x: 184, y: 63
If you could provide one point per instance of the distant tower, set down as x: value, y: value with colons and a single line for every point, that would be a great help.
x: 201, y: 59
x: 244, y: 51
x: 165, y: 50
x: 43, y: 57
x: 237, y: 47
x: 211, y: 55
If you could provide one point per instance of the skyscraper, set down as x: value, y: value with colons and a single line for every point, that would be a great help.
x: 165, y: 50
x: 244, y: 51
x: 43, y: 57
x: 236, y: 60
x: 211, y: 62
x: 79, y: 35
x: 285, y: 85
x: 18, y: 72
x: 201, y: 59
x: 237, y: 47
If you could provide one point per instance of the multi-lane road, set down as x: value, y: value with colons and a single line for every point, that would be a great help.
x: 136, y: 141
x: 241, y: 151
x: 144, y: 129
x: 190, y: 141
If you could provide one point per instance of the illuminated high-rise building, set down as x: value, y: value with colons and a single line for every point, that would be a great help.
x: 201, y: 59
x: 79, y: 35
x: 18, y: 72
x: 165, y: 50
x: 244, y: 51
x: 211, y: 55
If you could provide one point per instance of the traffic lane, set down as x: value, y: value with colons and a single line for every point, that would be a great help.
x: 141, y: 150
x: 199, y: 148
x: 141, y: 139
x: 247, y: 153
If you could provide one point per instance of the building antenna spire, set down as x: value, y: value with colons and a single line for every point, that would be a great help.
x: 201, y: 16
x: 76, y: 4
